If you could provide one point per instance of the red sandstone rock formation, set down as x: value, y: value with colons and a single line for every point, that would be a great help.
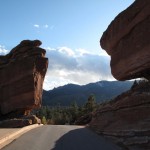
x: 20, y: 122
x: 127, y: 40
x: 22, y: 73
x: 126, y: 119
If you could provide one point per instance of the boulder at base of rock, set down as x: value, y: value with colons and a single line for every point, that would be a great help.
x: 20, y: 122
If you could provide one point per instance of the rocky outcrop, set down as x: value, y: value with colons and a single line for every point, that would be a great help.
x: 85, y: 119
x: 22, y: 73
x: 126, y: 119
x: 127, y: 41
x: 20, y: 122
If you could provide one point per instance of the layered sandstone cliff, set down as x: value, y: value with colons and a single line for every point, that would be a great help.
x: 127, y: 41
x: 22, y: 73
x: 126, y: 119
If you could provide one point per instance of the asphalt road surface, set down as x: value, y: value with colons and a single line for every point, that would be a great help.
x: 52, y: 137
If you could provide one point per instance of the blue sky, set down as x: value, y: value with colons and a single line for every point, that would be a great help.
x: 70, y: 30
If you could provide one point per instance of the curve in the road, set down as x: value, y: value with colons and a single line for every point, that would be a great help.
x: 52, y: 137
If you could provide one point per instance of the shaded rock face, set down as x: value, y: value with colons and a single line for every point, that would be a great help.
x: 127, y: 41
x: 22, y: 73
x: 126, y: 119
x: 83, y: 120
x: 20, y: 122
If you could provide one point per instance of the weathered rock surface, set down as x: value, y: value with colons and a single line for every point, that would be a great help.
x: 83, y: 120
x: 126, y: 119
x: 20, y: 122
x: 127, y: 40
x: 15, y: 123
x: 22, y: 73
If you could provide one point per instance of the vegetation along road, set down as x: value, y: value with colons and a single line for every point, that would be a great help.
x: 58, y: 137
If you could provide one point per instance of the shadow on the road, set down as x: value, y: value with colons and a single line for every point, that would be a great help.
x: 83, y: 139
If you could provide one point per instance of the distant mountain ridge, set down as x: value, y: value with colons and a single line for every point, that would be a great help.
x: 103, y: 90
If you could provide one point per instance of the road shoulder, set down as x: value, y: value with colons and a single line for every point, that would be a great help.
x: 8, y: 135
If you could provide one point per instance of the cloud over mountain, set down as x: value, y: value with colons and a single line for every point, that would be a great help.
x: 3, y: 51
x: 75, y: 66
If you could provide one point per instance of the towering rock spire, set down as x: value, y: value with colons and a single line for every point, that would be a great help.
x: 22, y: 73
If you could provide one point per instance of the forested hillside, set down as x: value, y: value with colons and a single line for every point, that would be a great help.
x: 103, y: 91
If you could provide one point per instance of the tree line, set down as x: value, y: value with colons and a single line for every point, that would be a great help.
x: 60, y: 115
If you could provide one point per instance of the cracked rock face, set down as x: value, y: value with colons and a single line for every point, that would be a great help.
x: 22, y: 73
x: 127, y: 41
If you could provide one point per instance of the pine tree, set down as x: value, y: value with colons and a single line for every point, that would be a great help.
x: 44, y: 120
x: 91, y: 104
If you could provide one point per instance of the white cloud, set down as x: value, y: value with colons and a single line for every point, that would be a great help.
x: 3, y: 51
x: 49, y: 48
x: 75, y: 66
x: 36, y: 26
x: 66, y: 51
x: 52, y: 81
x: 82, y: 51
x: 45, y: 26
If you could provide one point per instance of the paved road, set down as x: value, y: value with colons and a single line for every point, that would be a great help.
x: 52, y: 137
